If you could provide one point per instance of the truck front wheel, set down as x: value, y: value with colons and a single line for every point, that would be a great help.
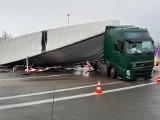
x: 113, y: 72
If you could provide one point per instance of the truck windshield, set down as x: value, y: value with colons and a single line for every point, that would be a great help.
x: 139, y: 47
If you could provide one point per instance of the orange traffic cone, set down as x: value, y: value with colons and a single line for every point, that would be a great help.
x: 98, y: 90
x: 158, y: 80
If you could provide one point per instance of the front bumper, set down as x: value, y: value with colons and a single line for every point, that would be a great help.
x: 140, y: 74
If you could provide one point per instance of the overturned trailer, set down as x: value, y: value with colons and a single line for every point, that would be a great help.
x: 60, y: 46
x: 122, y: 51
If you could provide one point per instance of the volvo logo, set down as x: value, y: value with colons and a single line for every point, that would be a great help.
x: 133, y: 65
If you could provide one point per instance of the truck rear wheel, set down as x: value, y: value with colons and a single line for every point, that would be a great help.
x: 113, y: 72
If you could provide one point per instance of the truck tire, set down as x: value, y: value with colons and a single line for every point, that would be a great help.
x: 113, y: 72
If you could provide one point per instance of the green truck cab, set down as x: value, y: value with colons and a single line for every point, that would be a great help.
x: 128, y: 52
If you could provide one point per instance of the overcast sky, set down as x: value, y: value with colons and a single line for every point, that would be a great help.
x: 19, y: 17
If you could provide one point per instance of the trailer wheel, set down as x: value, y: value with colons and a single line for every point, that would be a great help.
x: 113, y: 72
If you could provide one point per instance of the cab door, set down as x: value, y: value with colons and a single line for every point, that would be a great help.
x: 118, y: 57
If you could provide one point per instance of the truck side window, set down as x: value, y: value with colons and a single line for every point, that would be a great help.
x: 119, y: 47
x: 116, y: 46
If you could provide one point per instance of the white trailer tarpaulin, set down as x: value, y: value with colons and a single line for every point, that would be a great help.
x: 19, y: 48
x: 65, y: 36
x: 64, y: 45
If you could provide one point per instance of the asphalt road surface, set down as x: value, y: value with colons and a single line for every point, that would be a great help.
x: 70, y: 95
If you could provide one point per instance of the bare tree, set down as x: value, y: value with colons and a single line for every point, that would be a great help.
x: 6, y: 36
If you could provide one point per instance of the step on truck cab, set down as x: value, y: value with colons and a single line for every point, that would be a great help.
x: 128, y: 52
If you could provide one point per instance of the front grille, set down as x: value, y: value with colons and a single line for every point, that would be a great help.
x: 143, y: 64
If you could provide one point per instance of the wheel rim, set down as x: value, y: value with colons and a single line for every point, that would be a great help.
x: 112, y: 72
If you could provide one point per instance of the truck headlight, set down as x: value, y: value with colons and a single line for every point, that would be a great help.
x: 128, y: 72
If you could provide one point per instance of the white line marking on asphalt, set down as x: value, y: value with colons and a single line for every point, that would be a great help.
x: 35, y: 77
x: 47, y: 92
x: 70, y: 97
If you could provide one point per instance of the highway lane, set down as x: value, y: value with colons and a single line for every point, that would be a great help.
x: 75, y: 98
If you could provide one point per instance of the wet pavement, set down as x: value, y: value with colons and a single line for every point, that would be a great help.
x: 30, y: 97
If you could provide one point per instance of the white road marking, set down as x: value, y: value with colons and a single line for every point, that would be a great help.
x: 70, y: 97
x: 47, y: 92
x: 34, y: 77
